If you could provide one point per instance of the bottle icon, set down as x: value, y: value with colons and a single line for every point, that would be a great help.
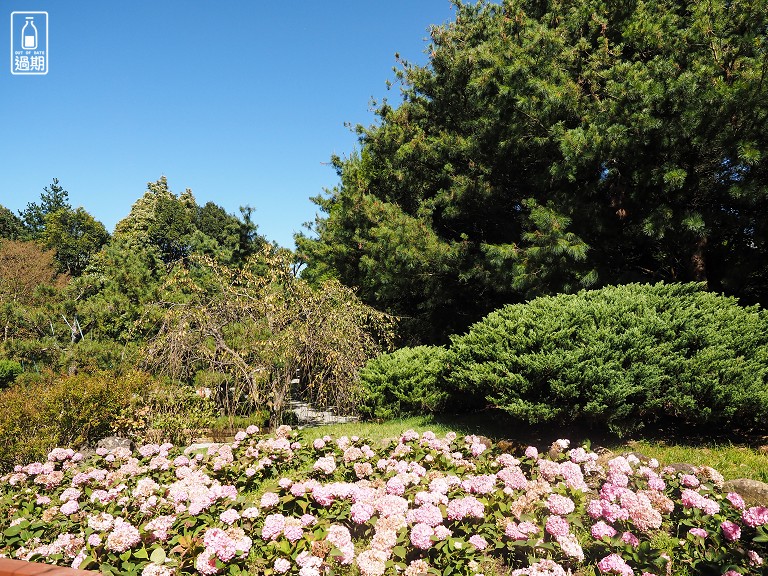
x: 29, y: 34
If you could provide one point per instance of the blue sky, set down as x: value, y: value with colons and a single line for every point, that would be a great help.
x: 241, y: 101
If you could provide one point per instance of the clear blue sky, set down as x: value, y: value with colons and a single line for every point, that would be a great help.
x: 241, y: 101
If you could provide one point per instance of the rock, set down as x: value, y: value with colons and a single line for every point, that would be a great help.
x: 112, y: 442
x: 87, y: 452
x: 485, y: 441
x: 512, y: 446
x: 640, y: 456
x: 200, y: 447
x: 754, y: 492
x: 683, y: 467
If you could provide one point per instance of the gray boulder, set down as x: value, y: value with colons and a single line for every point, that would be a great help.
x: 754, y: 492
x: 112, y: 442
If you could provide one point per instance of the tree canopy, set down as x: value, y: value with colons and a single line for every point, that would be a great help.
x: 552, y: 145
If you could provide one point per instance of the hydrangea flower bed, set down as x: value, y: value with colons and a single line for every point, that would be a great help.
x: 420, y: 505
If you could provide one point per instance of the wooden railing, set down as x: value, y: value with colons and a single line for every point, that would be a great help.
x: 22, y: 568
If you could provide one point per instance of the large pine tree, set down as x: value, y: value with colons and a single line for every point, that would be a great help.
x: 550, y: 145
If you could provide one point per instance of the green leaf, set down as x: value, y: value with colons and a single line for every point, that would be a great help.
x: 158, y: 556
x: 12, y: 531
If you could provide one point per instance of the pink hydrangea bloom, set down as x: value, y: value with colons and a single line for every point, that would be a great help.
x: 307, y: 520
x: 251, y: 512
x: 542, y: 568
x: 478, y: 542
x: 570, y: 546
x: 731, y: 530
x: 372, y: 562
x: 601, y: 529
x: 468, y: 506
x: 615, y: 564
x: 69, y: 507
x: 421, y: 536
x: 229, y: 516
x: 755, y: 516
x: 326, y: 464
x: 656, y: 483
x: 160, y: 526
x: 557, y: 526
x: 689, y: 481
x: 206, y: 563
x: 220, y: 544
x: 754, y: 558
x: 269, y: 499
x: 532, y: 452
x: 736, y: 500
x: 631, y: 539
x: 426, y: 514
x: 123, y: 536
x: 273, y: 526
x: 698, y: 532
x: 560, y: 505
x: 281, y: 565
x: 361, y: 512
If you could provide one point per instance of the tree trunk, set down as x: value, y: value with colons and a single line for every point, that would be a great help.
x: 698, y: 261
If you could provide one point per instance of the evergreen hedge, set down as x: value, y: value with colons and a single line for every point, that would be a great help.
x: 404, y: 382
x: 621, y: 357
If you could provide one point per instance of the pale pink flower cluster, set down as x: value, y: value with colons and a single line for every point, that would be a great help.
x: 731, y: 530
x: 542, y: 568
x: 69, y: 507
x: 736, y: 500
x: 755, y: 516
x: 160, y: 527
x: 282, y: 565
x: 521, y: 531
x: 417, y: 567
x: 615, y: 564
x: 340, y: 537
x: 602, y: 530
x: 153, y: 569
x: 229, y: 516
x: 372, y: 562
x: 273, y: 526
x: 123, y: 536
x: 467, y: 507
x: 560, y: 505
x: 556, y: 526
x: 361, y: 512
x: 269, y: 499
x: 427, y: 513
x: 692, y: 499
x: 478, y: 542
x: 325, y: 464
x: 754, y: 558
x: 62, y: 454
x: 421, y: 536
x: 484, y: 484
x: 570, y: 546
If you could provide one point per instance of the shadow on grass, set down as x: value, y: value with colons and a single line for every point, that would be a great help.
x: 498, y: 425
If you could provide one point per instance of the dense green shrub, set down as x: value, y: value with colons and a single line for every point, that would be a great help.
x: 53, y: 410
x: 403, y: 382
x: 621, y: 357
x: 9, y: 371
